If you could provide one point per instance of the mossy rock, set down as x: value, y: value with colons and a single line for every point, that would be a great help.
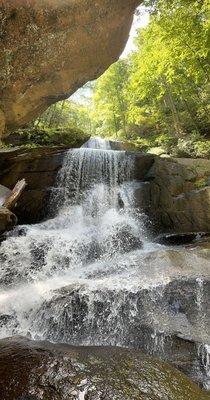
x: 67, y: 136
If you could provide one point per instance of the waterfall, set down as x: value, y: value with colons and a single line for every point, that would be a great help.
x: 97, y: 143
x: 93, y: 235
x: 203, y: 349
x: 200, y: 302
x: 97, y: 170
x: 204, y: 357
x: 89, y: 274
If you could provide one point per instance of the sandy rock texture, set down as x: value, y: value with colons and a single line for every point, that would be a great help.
x: 50, y: 48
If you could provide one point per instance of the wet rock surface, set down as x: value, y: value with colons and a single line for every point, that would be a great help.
x: 179, y: 239
x: 157, y: 302
x: 90, y: 275
x: 176, y: 195
x: 45, y: 371
x: 39, y: 168
x: 170, y: 322
x: 7, y: 220
x: 49, y: 49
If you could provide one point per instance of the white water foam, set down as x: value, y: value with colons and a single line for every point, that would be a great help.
x: 93, y: 236
x: 89, y: 274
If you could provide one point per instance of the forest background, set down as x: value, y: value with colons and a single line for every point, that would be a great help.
x: 156, y: 99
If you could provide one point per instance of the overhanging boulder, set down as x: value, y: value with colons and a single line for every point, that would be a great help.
x: 50, y: 48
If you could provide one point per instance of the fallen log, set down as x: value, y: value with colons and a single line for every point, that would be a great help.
x: 12, y: 199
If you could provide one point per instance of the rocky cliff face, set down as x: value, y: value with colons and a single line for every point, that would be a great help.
x: 39, y: 168
x: 176, y: 195
x: 50, y: 48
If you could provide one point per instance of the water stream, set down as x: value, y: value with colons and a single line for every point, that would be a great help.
x: 89, y: 274
x: 91, y: 238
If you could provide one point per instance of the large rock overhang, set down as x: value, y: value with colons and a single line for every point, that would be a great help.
x: 50, y: 48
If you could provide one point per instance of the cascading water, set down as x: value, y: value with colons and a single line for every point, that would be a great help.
x: 97, y: 143
x: 90, y: 239
x: 89, y: 274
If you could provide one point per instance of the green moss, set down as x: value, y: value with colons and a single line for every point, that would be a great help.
x: 192, y: 148
x: 31, y: 138
x: 200, y: 183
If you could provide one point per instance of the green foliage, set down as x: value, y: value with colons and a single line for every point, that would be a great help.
x: 34, y: 137
x: 65, y: 123
x: 66, y: 114
x: 202, y: 149
x: 70, y: 137
x: 169, y: 71
x: 192, y: 148
x: 110, y: 102
x: 158, y: 96
x: 201, y: 183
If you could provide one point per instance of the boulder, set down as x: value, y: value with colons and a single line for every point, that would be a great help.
x: 39, y: 168
x: 46, y: 371
x: 4, y: 193
x: 49, y: 49
x: 7, y: 220
x: 179, y: 239
x: 176, y: 195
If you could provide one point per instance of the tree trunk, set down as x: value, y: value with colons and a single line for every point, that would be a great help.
x: 115, y: 124
x: 172, y: 106
x: 53, y: 108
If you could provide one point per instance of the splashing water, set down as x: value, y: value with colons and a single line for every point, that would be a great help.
x: 93, y: 235
x: 89, y: 275
x: 200, y: 301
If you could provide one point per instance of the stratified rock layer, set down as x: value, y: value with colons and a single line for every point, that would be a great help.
x: 39, y: 168
x: 43, y: 371
x: 50, y: 48
x: 176, y: 195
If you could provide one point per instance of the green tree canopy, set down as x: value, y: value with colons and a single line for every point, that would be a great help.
x: 110, y: 101
x: 162, y: 87
x: 169, y: 74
